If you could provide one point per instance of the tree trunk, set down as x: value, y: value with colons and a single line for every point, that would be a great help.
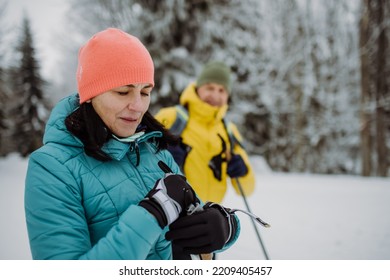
x: 381, y: 90
x: 365, y: 116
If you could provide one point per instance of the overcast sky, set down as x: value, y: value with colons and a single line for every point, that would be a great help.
x: 46, y: 18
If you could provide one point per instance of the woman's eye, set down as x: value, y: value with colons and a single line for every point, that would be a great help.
x: 122, y: 92
x: 145, y: 93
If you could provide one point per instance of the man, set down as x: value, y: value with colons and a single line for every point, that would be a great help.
x: 210, y: 150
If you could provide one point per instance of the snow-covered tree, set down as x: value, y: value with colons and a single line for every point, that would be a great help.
x: 29, y: 107
x: 182, y: 36
x: 3, y: 89
x: 295, y: 65
x: 311, y: 87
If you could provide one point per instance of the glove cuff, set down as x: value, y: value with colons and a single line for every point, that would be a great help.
x: 154, y: 209
x: 165, y: 209
x: 171, y: 208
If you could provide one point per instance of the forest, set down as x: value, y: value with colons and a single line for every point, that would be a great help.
x: 311, y: 77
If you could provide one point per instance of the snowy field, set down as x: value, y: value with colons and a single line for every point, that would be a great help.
x: 312, y: 217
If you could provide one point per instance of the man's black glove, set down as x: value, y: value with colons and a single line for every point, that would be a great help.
x: 236, y: 167
x: 204, y: 231
x: 170, y: 198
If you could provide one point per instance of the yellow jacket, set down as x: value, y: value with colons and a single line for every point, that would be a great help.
x: 201, y: 134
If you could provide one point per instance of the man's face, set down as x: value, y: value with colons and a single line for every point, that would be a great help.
x: 214, y: 94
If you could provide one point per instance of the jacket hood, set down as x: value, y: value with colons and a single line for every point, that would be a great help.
x: 55, y: 131
x: 199, y: 109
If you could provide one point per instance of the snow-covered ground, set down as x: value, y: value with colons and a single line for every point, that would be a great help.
x: 312, y: 217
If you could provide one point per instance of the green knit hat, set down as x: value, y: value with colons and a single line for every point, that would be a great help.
x: 215, y: 72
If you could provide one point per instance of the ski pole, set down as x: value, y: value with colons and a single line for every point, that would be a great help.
x: 254, y: 225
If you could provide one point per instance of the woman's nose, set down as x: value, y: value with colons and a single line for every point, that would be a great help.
x: 134, y: 100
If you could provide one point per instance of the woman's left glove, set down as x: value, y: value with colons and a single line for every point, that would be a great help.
x: 205, y: 231
x: 171, y: 197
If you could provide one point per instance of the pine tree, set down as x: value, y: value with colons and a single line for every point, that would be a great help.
x: 29, y: 110
x: 3, y: 93
x: 3, y: 102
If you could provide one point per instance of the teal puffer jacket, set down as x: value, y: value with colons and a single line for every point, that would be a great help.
x: 80, y: 208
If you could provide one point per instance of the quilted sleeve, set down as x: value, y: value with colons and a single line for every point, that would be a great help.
x: 57, y: 225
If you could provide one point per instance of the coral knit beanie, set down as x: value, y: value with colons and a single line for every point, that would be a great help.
x: 110, y: 59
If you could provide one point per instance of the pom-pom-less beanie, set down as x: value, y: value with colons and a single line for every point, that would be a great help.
x: 215, y: 72
x: 110, y: 59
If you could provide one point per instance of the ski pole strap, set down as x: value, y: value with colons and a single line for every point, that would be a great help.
x: 164, y: 167
x: 254, y: 217
x: 193, y: 208
x: 229, y: 211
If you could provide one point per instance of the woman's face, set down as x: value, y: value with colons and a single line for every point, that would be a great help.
x: 122, y: 108
x: 213, y: 94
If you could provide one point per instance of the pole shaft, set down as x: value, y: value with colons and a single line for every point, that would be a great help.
x: 254, y: 224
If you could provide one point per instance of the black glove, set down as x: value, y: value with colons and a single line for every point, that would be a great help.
x: 170, y: 198
x: 204, y: 231
x: 236, y: 167
x: 179, y: 153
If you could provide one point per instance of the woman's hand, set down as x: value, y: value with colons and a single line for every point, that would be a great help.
x: 170, y: 198
x: 204, y: 231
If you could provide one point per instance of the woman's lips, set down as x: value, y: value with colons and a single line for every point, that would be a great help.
x: 129, y: 119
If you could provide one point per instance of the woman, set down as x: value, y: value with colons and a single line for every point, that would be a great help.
x: 104, y: 186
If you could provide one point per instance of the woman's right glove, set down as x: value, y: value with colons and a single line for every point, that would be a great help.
x: 204, y: 231
x: 170, y: 198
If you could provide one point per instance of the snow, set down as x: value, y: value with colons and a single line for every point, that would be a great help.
x: 312, y: 217
x: 13, y: 236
